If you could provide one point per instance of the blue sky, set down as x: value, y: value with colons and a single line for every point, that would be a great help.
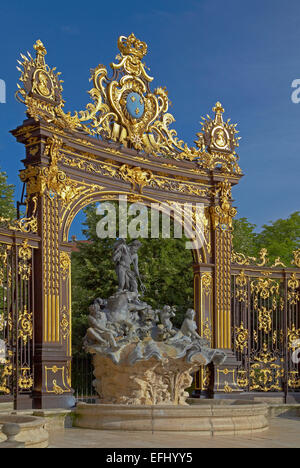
x: 243, y: 53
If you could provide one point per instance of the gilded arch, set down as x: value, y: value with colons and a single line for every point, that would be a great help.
x: 199, y: 255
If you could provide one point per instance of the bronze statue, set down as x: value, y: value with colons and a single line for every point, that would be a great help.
x: 125, y: 257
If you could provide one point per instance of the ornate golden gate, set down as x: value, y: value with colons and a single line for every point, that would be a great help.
x: 122, y: 144
x: 266, y: 323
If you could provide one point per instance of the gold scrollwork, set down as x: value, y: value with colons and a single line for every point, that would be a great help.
x: 293, y: 335
x: 223, y: 214
x: 65, y: 263
x: 4, y: 263
x: 263, y: 257
x: 25, y: 325
x: 265, y: 286
x: 294, y: 379
x: 65, y: 323
x: 242, y: 379
x: 296, y: 260
x: 50, y: 179
x: 25, y: 381
x: 265, y: 319
x: 52, y: 374
x: 207, y: 283
x: 241, y: 282
x: 293, y: 290
x: 241, y: 259
x: 242, y: 336
x: 265, y: 356
x: 25, y: 255
x: 27, y: 224
x: 266, y: 379
x: 6, y: 374
x: 263, y: 260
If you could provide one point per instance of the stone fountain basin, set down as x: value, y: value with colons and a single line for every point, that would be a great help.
x: 209, y: 418
x: 32, y: 430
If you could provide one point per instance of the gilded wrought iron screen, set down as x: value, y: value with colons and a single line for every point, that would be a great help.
x: 16, y: 319
x: 266, y: 326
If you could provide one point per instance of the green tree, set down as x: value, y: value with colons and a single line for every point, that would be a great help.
x: 244, y: 237
x: 7, y: 208
x: 165, y: 267
x: 281, y: 238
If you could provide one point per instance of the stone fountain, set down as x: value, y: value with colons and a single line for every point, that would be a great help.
x: 143, y: 365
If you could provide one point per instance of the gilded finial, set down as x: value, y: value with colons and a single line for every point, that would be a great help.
x: 39, y: 47
x: 218, y: 110
x: 40, y: 53
x: 132, y: 46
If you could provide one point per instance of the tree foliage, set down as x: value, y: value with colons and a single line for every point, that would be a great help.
x: 244, y: 237
x: 279, y: 237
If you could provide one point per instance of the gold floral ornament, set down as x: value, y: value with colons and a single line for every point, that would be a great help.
x: 65, y: 263
x: 25, y: 326
x: 223, y: 214
x: 25, y: 255
x: 25, y: 380
x: 293, y: 290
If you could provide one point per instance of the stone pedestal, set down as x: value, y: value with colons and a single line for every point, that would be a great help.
x: 149, y: 382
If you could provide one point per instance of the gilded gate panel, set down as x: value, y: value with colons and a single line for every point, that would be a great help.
x: 266, y: 316
x: 16, y: 317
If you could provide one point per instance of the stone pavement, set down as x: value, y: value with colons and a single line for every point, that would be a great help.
x: 284, y: 432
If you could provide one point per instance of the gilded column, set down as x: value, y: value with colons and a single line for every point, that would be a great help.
x: 52, y: 265
x: 222, y: 215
